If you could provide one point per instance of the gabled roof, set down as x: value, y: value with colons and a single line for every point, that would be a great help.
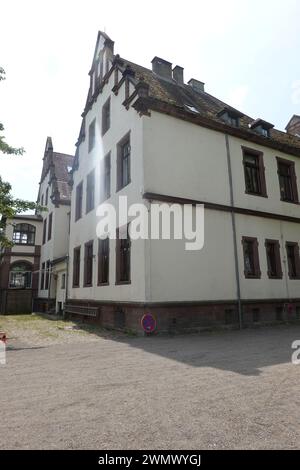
x: 183, y: 101
x: 59, y: 166
x: 168, y: 91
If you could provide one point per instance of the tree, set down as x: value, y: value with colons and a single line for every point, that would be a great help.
x: 9, y: 206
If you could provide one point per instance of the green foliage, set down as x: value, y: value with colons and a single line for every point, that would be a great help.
x: 9, y: 206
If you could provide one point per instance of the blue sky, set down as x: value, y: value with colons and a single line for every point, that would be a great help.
x: 247, y: 53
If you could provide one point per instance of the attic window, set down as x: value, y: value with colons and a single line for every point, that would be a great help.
x: 265, y: 132
x: 261, y: 127
x: 230, y: 116
x: 191, y: 108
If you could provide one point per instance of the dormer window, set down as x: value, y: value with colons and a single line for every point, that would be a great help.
x: 230, y: 116
x: 261, y: 127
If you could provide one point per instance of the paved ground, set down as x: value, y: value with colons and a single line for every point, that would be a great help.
x: 216, y: 391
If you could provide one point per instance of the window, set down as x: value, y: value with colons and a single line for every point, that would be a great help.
x: 287, y: 180
x: 76, y: 267
x: 44, y: 231
x: 105, y: 173
x: 273, y: 259
x: 106, y: 117
x: 265, y: 132
x: 50, y: 226
x: 24, y: 234
x: 78, y: 202
x: 90, y: 191
x: 103, y: 261
x: 254, y: 172
x: 63, y: 281
x: 92, y: 135
x: 42, y: 200
x: 43, y: 276
x: 123, y: 163
x: 47, y: 275
x: 47, y: 196
x: 123, y: 249
x: 292, y: 251
x: 20, y: 276
x: 230, y: 116
x: 251, y: 258
x: 88, y: 264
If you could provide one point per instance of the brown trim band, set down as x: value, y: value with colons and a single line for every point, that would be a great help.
x: 22, y: 253
x: 220, y: 207
x: 199, y: 303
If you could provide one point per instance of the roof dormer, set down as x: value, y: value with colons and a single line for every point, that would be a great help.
x: 261, y: 127
x: 230, y: 116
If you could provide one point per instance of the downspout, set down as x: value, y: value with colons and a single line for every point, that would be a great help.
x: 67, y: 283
x: 233, y: 222
x: 49, y: 274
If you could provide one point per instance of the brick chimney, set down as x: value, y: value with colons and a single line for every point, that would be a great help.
x: 162, y: 67
x: 293, y: 126
x: 196, y: 85
x: 178, y: 75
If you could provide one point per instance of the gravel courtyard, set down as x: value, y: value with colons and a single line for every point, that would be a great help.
x: 93, y: 390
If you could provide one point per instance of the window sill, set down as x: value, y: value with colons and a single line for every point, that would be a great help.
x: 103, y: 284
x: 23, y: 244
x: 122, y: 187
x: 104, y: 132
x: 88, y: 211
x: 257, y: 195
x: 87, y: 285
x: 296, y: 203
x: 105, y: 198
x: 123, y: 283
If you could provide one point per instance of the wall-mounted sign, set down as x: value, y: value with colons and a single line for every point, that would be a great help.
x: 148, y: 323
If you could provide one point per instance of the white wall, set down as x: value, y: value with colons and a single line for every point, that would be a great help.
x: 84, y: 230
x: 57, y: 246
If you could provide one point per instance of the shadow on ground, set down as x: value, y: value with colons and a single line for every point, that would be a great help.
x: 244, y: 352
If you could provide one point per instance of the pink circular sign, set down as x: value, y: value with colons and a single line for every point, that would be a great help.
x: 148, y: 323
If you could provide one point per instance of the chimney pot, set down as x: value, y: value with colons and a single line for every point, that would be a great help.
x: 196, y: 85
x: 178, y: 74
x: 162, y: 67
x: 293, y: 127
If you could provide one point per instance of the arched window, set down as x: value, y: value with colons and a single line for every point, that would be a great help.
x: 20, y: 275
x: 24, y: 234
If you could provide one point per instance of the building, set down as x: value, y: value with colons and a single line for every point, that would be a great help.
x: 54, y: 196
x: 19, y: 265
x: 148, y: 135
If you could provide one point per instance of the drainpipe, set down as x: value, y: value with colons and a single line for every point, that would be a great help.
x: 233, y: 222
x: 67, y: 283
x: 49, y: 274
